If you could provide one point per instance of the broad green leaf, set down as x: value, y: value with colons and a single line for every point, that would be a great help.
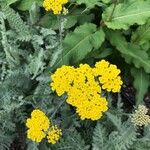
x: 26, y: 4
x: 127, y: 14
x: 89, y: 3
x: 50, y: 20
x: 106, y: 1
x: 131, y: 53
x: 142, y: 34
x: 80, y: 42
x: 141, y: 83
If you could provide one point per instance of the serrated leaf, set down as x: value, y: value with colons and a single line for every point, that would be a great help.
x: 99, y: 137
x: 32, y: 146
x: 131, y: 53
x: 126, y: 14
x: 115, y: 120
x: 141, y: 83
x: 37, y: 64
x: 16, y: 22
x: 123, y: 140
x: 142, y: 34
x: 71, y: 141
x: 79, y: 43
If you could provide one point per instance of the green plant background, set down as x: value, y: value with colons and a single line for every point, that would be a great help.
x: 34, y: 43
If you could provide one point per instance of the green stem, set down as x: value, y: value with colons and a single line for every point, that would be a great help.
x: 111, y: 15
x: 60, y: 34
x: 62, y: 102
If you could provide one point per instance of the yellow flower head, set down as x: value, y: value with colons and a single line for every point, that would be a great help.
x: 108, y: 75
x: 38, y: 121
x: 92, y: 109
x: 35, y: 135
x: 63, y: 79
x: 54, y: 135
x: 37, y: 124
x: 54, y: 5
x: 140, y: 116
x: 83, y: 86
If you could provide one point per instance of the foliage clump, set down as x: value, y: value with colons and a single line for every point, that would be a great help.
x: 37, y: 42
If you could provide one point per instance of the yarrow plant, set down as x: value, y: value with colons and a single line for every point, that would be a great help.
x: 84, y: 86
x: 39, y: 126
x: 57, y: 6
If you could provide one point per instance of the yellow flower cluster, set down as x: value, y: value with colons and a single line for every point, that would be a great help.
x: 55, y: 5
x: 140, y: 116
x: 39, y: 125
x: 54, y: 135
x: 108, y: 75
x: 83, y: 86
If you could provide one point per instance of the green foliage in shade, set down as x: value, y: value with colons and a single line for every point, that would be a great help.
x: 9, y: 2
x: 49, y: 20
x: 33, y: 43
x: 37, y: 64
x: 71, y: 141
x: 89, y: 3
x: 79, y: 43
x: 121, y: 137
x: 34, y: 13
x: 142, y: 34
x: 126, y: 14
x: 130, y: 52
x: 99, y: 137
x: 26, y: 4
x: 141, y: 83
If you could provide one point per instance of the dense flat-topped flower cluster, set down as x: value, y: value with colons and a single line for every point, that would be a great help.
x: 140, y: 117
x: 54, y: 5
x: 40, y: 126
x: 84, y: 86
